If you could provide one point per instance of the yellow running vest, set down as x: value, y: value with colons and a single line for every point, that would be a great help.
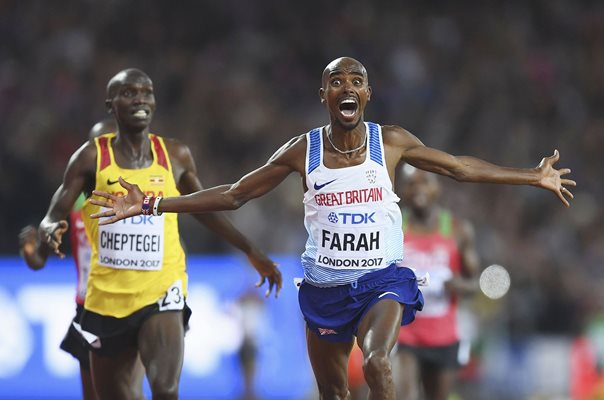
x: 136, y: 260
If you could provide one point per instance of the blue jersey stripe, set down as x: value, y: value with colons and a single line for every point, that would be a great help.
x: 375, y: 150
x: 314, y: 152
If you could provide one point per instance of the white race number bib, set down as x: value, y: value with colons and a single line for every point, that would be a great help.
x: 174, y: 298
x: 133, y: 243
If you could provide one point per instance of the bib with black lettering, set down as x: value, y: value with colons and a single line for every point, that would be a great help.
x: 351, y: 215
x: 133, y: 261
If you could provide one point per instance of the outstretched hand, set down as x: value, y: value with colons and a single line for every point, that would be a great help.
x: 119, y: 207
x: 551, y: 178
x: 268, y: 271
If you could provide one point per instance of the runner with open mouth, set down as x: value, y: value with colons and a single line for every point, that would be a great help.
x: 348, y: 108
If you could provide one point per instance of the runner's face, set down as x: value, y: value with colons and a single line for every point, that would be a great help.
x: 346, y: 92
x: 134, y: 103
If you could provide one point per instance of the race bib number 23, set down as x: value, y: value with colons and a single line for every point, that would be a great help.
x: 174, y: 298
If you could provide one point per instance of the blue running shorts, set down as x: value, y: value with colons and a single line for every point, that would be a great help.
x: 334, y: 313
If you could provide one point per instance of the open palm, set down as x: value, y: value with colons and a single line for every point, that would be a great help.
x: 551, y: 178
x: 118, y: 207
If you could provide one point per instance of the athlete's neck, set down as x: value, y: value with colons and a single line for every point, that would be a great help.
x: 346, y: 140
x: 133, y: 149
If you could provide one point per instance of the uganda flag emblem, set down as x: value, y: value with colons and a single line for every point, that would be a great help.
x: 156, y: 179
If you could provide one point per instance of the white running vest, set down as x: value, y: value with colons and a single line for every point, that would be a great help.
x: 351, y: 215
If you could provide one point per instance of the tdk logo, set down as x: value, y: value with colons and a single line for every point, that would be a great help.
x: 139, y: 220
x: 351, y: 218
x: 333, y: 218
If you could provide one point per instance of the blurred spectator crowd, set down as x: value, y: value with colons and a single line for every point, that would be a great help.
x: 505, y: 81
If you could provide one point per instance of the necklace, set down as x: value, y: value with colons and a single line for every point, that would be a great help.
x: 363, y: 143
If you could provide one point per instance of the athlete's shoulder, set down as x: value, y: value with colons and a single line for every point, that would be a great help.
x: 394, y: 131
x: 173, y: 144
x: 298, y: 142
x: 168, y: 141
x: 83, y: 160
x: 86, y: 153
x: 176, y: 149
x: 397, y: 140
x: 301, y: 141
x: 291, y: 154
x: 295, y: 145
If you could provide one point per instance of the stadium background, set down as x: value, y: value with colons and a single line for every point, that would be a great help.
x: 505, y: 81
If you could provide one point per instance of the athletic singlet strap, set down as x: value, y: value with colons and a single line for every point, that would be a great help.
x: 375, y: 149
x: 105, y: 160
x: 159, y: 150
x: 314, y: 152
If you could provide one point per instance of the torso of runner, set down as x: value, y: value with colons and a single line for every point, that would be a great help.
x: 436, y: 253
x: 134, y: 261
x: 351, y: 215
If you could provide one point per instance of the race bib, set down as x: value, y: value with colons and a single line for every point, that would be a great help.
x: 352, y: 239
x: 134, y: 243
x: 173, y: 299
